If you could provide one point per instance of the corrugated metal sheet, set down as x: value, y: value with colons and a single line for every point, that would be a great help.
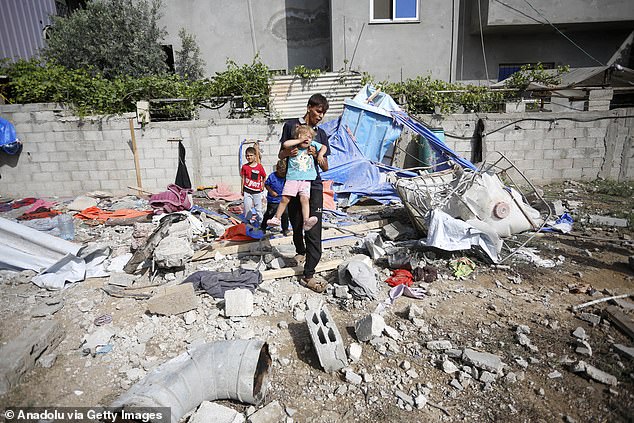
x: 21, y: 25
x: 290, y: 93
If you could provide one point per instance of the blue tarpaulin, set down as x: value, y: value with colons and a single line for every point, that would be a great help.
x: 359, y: 139
x: 9, y: 142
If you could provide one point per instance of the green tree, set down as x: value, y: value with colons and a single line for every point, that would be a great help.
x: 111, y: 37
x: 189, y: 64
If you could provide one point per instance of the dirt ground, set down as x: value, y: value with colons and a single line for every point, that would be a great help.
x: 482, y: 312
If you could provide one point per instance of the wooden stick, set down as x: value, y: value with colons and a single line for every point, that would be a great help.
x: 294, y: 271
x: 600, y: 300
x: 136, y: 156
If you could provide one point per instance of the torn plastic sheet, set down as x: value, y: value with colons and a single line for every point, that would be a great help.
x: 530, y: 255
x: 57, y: 261
x: 563, y: 224
x: 451, y: 234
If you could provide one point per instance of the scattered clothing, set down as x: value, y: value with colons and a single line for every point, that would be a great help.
x: 222, y: 192
x: 182, y: 175
x: 39, y: 213
x: 174, y: 199
x: 426, y: 274
x: 95, y: 213
x: 400, y: 277
x: 217, y: 283
x: 23, y: 202
x: 462, y: 267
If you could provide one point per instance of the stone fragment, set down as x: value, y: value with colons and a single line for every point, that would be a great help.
x: 341, y: 291
x: 238, y: 303
x: 487, y: 377
x: 600, y: 376
x: 627, y: 351
x: 580, y: 333
x: 406, y: 398
x: 353, y: 378
x: 455, y: 384
x: 354, y: 352
x: 391, y: 332
x: 590, y: 318
x: 190, y: 317
x: 554, y: 375
x: 369, y: 327
x: 271, y: 413
x: 583, y: 348
x: 420, y: 401
x: 172, y: 300
x: 212, y: 412
x: 449, y: 367
x: 485, y: 361
x: 608, y: 221
x: 438, y: 345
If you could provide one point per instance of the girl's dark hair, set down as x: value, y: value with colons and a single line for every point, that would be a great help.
x: 250, y: 150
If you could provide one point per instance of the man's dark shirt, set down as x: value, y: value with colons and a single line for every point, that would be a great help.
x: 320, y: 137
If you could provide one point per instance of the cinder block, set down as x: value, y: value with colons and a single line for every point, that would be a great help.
x: 49, y: 166
x: 106, y: 165
x: 326, y: 339
x: 553, y: 154
x: 562, y: 164
x: 572, y: 173
x: 238, y: 302
x: 117, y: 155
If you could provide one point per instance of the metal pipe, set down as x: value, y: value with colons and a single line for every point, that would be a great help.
x: 234, y: 370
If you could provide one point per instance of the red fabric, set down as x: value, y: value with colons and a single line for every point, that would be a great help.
x: 95, y: 213
x: 173, y: 200
x: 400, y: 277
x: 39, y: 213
x: 23, y: 202
x: 253, y: 176
x: 236, y: 233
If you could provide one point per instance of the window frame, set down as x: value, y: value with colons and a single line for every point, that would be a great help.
x: 395, y: 20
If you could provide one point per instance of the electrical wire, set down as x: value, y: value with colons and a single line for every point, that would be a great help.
x: 551, y: 120
x: 520, y: 12
x: 484, y: 56
x: 562, y: 34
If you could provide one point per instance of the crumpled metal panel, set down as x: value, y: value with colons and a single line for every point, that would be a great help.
x: 290, y: 93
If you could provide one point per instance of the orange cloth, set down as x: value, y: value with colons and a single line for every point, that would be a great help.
x: 329, y: 196
x: 236, y: 233
x: 95, y: 213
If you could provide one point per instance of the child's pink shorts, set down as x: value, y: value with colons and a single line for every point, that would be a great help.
x: 292, y: 188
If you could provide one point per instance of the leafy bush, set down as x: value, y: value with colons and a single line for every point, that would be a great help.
x: 427, y: 95
x: 89, y: 92
x: 535, y: 73
x: 111, y: 38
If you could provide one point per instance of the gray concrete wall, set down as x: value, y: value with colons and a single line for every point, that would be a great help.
x: 65, y: 156
x: 547, y: 147
x: 391, y: 50
x: 285, y: 33
x: 558, y: 11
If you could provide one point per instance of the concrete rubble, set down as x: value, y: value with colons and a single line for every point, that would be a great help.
x: 442, y: 357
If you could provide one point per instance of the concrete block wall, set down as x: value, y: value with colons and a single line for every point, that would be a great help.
x: 548, y: 147
x: 65, y: 156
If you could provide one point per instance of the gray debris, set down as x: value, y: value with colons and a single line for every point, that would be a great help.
x: 354, y: 352
x: 594, y: 373
x: 173, y: 251
x: 487, y: 377
x: 449, y: 367
x: 271, y: 413
x: 438, y: 345
x: 593, y: 319
x: 580, y: 333
x: 352, y: 377
x: 238, y: 302
x: 583, y: 348
x: 628, y: 351
x: 608, y: 221
x: 485, y: 361
x: 212, y: 412
x: 369, y: 327
x: 407, y: 398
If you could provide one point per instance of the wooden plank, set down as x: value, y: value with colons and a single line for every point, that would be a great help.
x: 621, y: 320
x: 268, y: 275
x: 231, y: 247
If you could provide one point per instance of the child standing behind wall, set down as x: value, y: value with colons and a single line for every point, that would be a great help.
x: 274, y: 185
x: 299, y: 174
x: 253, y: 176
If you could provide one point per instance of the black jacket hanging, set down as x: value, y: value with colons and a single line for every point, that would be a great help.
x: 182, y: 176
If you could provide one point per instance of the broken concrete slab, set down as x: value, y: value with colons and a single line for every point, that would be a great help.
x: 438, y: 345
x: 173, y: 300
x: 212, y: 412
x: 326, y: 339
x: 594, y: 373
x: 20, y: 355
x: 238, y: 303
x: 483, y: 360
x: 271, y: 413
x: 627, y: 351
x: 608, y: 221
x: 369, y: 327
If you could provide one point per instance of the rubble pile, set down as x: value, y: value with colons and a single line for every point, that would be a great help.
x: 403, y: 332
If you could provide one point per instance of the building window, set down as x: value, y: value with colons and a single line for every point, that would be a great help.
x: 391, y: 11
x: 504, y: 71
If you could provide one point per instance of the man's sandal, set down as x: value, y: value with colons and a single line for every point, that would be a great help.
x: 314, y: 284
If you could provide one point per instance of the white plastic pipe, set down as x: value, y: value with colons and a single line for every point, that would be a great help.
x: 235, y: 370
